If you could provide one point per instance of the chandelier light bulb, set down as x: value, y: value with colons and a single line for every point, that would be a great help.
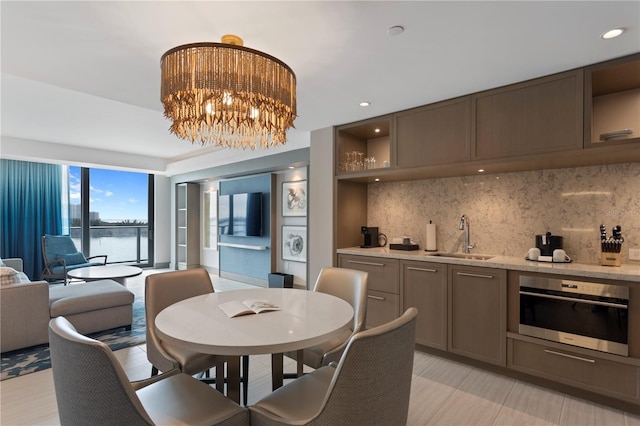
x: 227, y: 95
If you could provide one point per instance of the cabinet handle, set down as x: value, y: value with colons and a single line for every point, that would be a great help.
x: 466, y: 274
x: 412, y: 268
x: 579, y: 358
x: 365, y: 263
x: 375, y: 297
x: 575, y: 299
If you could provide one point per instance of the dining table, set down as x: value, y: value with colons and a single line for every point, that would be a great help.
x: 303, y: 319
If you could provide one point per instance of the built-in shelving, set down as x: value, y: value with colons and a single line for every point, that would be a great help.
x: 187, y: 225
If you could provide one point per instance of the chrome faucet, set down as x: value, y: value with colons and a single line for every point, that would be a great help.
x: 467, y: 234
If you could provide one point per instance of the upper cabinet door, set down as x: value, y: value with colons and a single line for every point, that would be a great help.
x: 612, y: 102
x: 535, y: 117
x: 434, y: 134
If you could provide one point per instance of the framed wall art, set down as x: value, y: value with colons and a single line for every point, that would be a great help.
x: 294, y: 243
x: 294, y: 198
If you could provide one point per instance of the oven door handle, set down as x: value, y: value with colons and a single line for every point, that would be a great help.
x: 573, y: 299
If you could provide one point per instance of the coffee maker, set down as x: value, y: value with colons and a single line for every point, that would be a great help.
x: 370, y: 236
x: 547, y: 243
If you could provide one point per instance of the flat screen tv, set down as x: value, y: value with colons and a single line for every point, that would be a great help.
x: 240, y: 215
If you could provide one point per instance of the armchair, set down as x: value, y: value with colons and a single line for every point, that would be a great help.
x: 61, y: 255
x: 351, y: 286
x: 370, y: 385
x: 92, y: 388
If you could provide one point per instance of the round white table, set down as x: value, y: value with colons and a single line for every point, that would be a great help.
x: 306, y: 319
x: 118, y: 273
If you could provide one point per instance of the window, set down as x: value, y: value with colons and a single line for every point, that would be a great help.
x: 111, y: 212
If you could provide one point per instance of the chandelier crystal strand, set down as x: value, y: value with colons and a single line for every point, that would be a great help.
x: 227, y: 95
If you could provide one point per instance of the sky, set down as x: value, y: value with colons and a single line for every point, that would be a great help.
x: 115, y: 195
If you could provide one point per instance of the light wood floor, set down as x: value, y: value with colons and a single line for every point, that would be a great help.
x: 443, y: 392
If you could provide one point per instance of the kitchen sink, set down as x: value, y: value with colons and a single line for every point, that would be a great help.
x: 463, y: 256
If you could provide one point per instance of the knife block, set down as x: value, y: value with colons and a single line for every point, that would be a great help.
x: 611, y: 259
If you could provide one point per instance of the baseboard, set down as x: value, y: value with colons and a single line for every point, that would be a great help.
x: 245, y: 279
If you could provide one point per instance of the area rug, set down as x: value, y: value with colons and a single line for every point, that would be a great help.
x: 36, y: 358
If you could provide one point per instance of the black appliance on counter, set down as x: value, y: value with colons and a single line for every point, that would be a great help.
x: 547, y: 243
x: 370, y: 236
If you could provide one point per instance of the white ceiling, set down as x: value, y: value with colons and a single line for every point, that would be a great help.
x: 87, y: 73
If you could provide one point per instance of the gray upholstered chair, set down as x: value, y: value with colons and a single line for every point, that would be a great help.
x: 92, y: 388
x: 164, y: 289
x: 351, y: 286
x: 371, y: 384
x: 60, y: 255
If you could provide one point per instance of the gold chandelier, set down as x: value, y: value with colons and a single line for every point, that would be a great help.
x: 227, y: 94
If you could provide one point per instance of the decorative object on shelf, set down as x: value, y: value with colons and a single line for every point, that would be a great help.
x: 294, y: 243
x: 294, y: 198
x: 355, y: 160
x: 227, y: 95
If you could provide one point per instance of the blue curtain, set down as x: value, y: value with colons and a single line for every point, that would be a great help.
x: 31, y: 200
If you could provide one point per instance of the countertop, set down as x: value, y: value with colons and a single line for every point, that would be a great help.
x: 625, y: 272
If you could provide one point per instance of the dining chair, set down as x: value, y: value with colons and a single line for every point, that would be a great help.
x: 371, y: 384
x: 60, y: 255
x: 164, y: 289
x: 351, y: 286
x: 92, y: 388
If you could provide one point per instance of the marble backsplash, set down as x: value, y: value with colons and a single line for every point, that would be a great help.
x: 506, y: 211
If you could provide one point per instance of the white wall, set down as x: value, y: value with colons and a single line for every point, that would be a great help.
x: 321, y: 201
x: 162, y: 219
x: 297, y: 269
x: 209, y: 257
x: 58, y: 153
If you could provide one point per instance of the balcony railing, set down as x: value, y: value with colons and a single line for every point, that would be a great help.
x: 121, y: 243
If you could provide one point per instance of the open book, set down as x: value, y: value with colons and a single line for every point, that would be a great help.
x: 235, y: 308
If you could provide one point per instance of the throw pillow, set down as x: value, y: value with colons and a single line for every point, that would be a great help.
x: 8, y: 276
x: 73, y: 259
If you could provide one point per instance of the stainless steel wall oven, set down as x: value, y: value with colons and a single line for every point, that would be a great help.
x: 579, y: 313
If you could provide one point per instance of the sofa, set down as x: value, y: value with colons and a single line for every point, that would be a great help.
x: 26, y: 307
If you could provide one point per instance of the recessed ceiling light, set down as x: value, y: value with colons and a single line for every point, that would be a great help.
x: 377, y: 130
x: 365, y: 104
x: 377, y: 179
x: 612, y: 33
x: 291, y: 167
x: 480, y: 170
x: 395, y: 30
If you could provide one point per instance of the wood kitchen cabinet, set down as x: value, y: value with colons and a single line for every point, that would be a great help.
x: 425, y: 288
x: 575, y: 368
x: 357, y: 143
x: 434, y: 134
x: 612, y: 102
x: 383, y: 286
x: 535, y: 117
x: 477, y: 318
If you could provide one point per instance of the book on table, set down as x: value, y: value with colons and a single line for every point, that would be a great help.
x: 236, y: 308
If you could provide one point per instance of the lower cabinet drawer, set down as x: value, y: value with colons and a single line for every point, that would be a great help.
x: 583, y: 371
x: 383, y: 273
x: 381, y: 308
